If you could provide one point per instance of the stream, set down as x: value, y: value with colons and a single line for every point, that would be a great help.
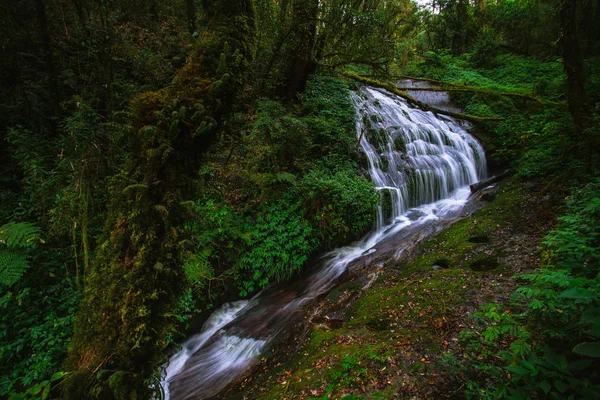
x: 422, y: 166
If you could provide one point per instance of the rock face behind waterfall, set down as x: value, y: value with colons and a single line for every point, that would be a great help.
x: 421, y: 165
x: 414, y: 157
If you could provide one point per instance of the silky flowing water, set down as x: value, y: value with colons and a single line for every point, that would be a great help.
x: 421, y: 165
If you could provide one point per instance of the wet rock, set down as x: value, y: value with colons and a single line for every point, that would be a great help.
x: 488, y: 194
x: 369, y: 251
x: 485, y: 264
x: 349, y: 287
x: 415, y: 215
x: 335, y: 320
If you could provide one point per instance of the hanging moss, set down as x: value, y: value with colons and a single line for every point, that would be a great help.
x: 137, y: 276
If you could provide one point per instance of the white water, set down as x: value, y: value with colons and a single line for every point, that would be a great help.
x: 422, y: 166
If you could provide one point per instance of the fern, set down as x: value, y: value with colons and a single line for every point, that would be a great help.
x: 13, y: 264
x: 15, y: 238
x: 198, y: 269
x: 19, y: 235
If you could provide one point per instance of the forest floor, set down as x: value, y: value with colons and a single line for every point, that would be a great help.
x: 401, y: 337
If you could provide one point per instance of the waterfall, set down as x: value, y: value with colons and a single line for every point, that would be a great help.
x: 414, y: 157
x: 420, y: 164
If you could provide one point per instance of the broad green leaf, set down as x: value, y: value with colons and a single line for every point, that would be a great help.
x: 578, y: 294
x: 46, y: 391
x: 579, y: 365
x: 58, y: 375
x: 589, y: 349
x: 545, y: 385
x: 527, y: 365
x: 518, y: 370
x: 595, y: 329
x: 590, y: 315
x: 561, y: 386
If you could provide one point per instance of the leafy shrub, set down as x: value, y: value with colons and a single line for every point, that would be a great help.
x: 330, y: 116
x: 280, y: 242
x: 549, y: 339
x: 36, y: 324
x: 340, y: 204
x: 539, y: 145
x: 15, y: 239
x: 485, y: 49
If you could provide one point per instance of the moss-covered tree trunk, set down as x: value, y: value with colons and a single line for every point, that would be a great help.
x: 136, y: 277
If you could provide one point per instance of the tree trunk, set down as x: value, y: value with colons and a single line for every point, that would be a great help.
x: 579, y: 104
x: 42, y: 20
x: 191, y: 15
x: 136, y: 277
x: 303, y: 64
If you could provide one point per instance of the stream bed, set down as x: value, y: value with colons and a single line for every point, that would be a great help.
x: 422, y: 166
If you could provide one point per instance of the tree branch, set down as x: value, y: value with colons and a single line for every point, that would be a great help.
x: 421, y: 105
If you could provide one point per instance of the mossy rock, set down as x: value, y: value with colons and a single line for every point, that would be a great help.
x: 384, y: 164
x: 119, y: 384
x: 400, y: 144
x: 386, y: 204
x: 377, y: 137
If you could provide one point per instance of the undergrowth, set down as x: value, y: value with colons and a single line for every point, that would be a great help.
x: 546, y: 342
x: 537, y: 137
x: 288, y: 192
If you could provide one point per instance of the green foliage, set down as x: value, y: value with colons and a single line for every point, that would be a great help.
x: 32, y: 153
x: 279, y: 244
x: 294, y: 192
x: 137, y: 276
x: 20, y: 235
x: 331, y: 116
x: 13, y: 264
x: 551, y: 348
x: 340, y: 204
x: 15, y: 239
x: 524, y: 27
x: 36, y: 323
x: 40, y: 390
x: 350, y: 371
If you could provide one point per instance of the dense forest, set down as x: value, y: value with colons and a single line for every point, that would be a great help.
x: 160, y: 159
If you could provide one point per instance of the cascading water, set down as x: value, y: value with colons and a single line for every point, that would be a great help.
x: 422, y: 166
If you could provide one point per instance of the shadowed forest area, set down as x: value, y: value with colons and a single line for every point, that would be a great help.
x: 159, y: 159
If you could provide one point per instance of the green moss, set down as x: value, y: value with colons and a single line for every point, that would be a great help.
x: 397, y: 329
x: 120, y: 386
x: 137, y: 276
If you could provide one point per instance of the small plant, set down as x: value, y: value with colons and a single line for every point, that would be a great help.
x: 552, y: 347
x: 40, y: 391
x: 16, y: 239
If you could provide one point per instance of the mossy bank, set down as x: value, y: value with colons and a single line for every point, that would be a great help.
x: 401, y: 337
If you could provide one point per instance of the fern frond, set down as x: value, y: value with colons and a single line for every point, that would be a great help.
x: 20, y: 234
x: 198, y: 268
x: 13, y: 264
x: 285, y: 177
